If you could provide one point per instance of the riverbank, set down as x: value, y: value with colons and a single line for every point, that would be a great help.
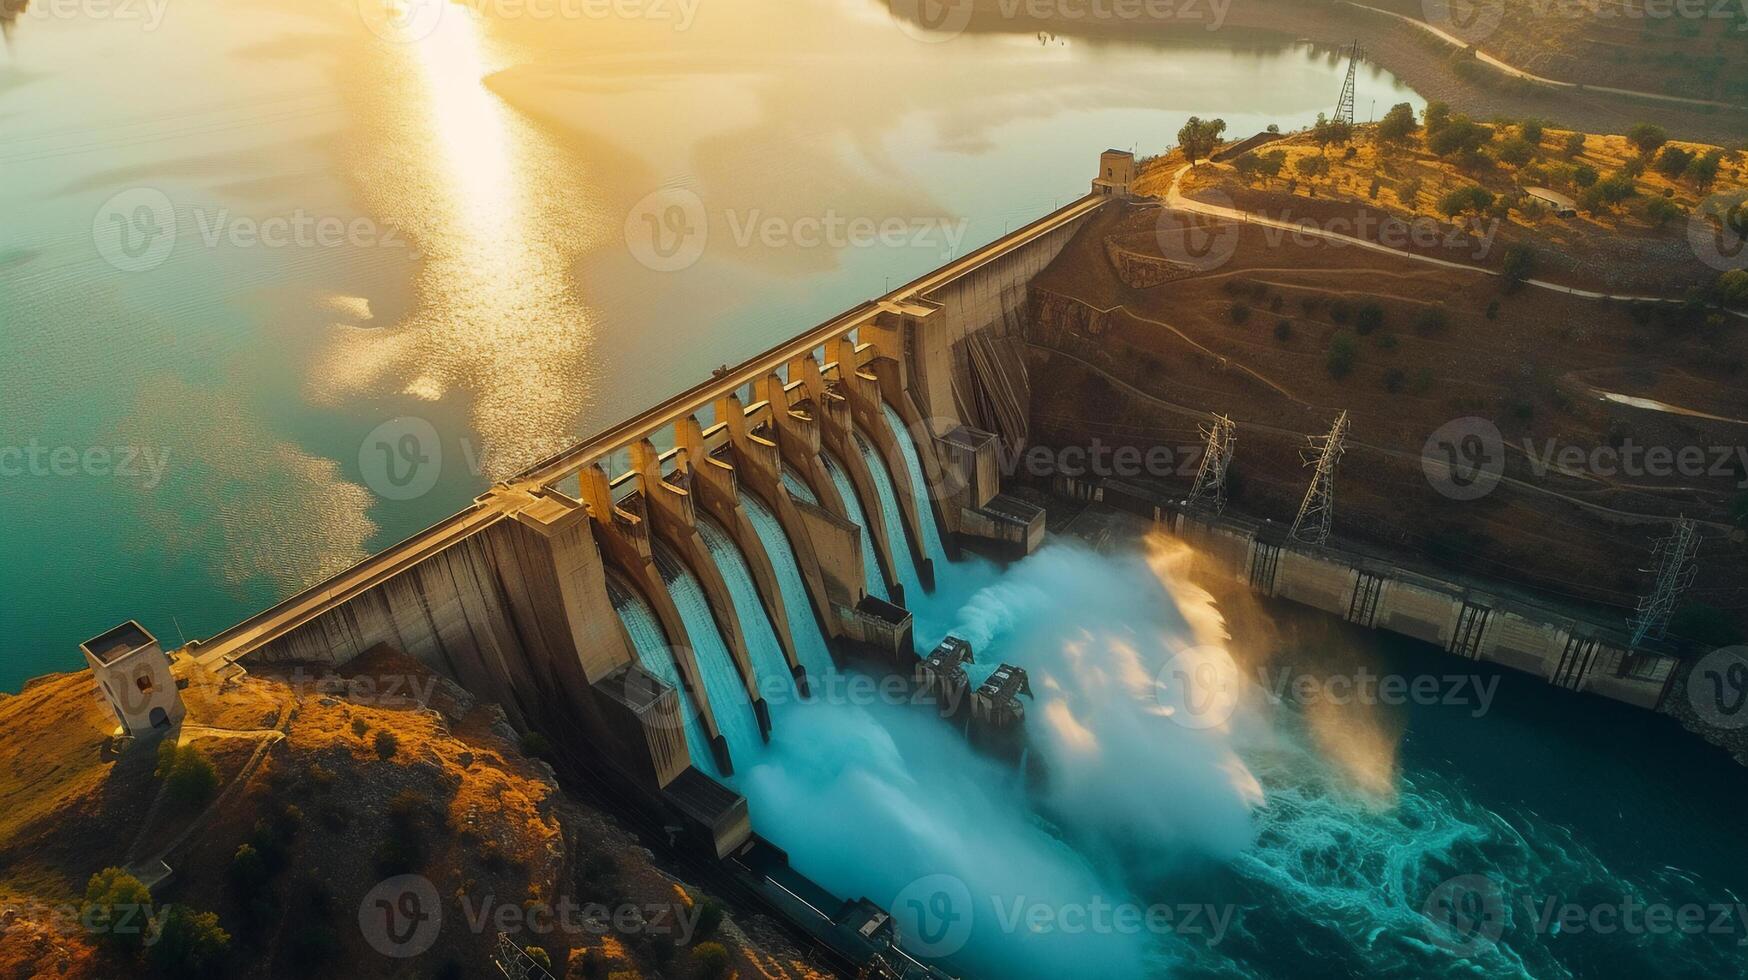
x: 1420, y: 59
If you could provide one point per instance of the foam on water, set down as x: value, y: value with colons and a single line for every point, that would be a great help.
x: 722, y: 682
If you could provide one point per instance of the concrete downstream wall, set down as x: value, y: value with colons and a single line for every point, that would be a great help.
x: 1563, y: 648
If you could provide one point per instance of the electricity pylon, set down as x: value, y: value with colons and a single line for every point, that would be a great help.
x: 1210, y: 487
x: 1675, y: 572
x: 1318, y: 510
x: 1344, y: 106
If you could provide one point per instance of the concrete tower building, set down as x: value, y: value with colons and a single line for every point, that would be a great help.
x: 133, y: 672
x: 1116, y: 173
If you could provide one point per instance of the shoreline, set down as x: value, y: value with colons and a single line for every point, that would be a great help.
x: 1419, y: 59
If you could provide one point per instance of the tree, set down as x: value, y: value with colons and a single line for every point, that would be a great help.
x: 712, y: 960
x: 1436, y: 115
x: 1369, y: 318
x: 1312, y: 167
x: 187, y: 773
x: 1472, y: 198
x: 1398, y: 124
x: 1733, y: 288
x: 1326, y: 131
x: 1647, y: 137
x: 117, y: 908
x: 1198, y: 137
x: 1460, y: 135
x: 1531, y: 131
x: 1660, y: 211
x: 1574, y: 144
x: 1703, y: 170
x: 1269, y: 164
x: 190, y: 945
x: 1517, y: 152
x: 1673, y: 161
x: 1584, y: 175
x: 1344, y: 353
x: 1607, y: 192
x: 1518, y: 264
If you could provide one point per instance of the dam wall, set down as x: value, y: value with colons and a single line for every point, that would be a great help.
x: 510, y: 596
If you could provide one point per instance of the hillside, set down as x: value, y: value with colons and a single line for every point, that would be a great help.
x: 1133, y: 345
x: 334, y: 787
x: 1637, y: 210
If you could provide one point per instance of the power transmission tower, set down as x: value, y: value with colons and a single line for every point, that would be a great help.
x: 1344, y: 106
x: 516, y: 964
x: 1315, y: 514
x: 1675, y: 572
x: 1210, y: 488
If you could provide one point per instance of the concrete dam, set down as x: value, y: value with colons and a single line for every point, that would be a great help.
x: 641, y: 597
x: 646, y: 597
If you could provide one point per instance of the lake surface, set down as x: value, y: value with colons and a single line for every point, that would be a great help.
x: 427, y: 220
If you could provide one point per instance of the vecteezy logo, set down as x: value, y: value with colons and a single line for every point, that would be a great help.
x: 1470, y: 21
x: 1464, y: 459
x: 1465, y: 914
x: 401, y: 917
x: 933, y: 915
x: 1198, y: 687
x: 667, y: 230
x: 135, y: 230
x: 1202, y: 242
x: 932, y: 21
x: 1717, y: 688
x: 401, y: 21
x: 1717, y: 230
x: 401, y: 458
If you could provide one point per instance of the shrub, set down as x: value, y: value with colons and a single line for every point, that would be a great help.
x: 187, y: 773
x: 710, y: 913
x: 1340, y: 311
x: 1584, y: 175
x: 1472, y: 198
x: 1493, y: 309
x: 1433, y: 319
x: 1459, y: 136
x: 360, y: 727
x: 386, y: 744
x: 711, y: 959
x: 1394, y: 380
x: 1531, y: 131
x: 247, y: 871
x: 1574, y: 144
x: 1239, y: 313
x: 1673, y: 161
x: 1284, y: 330
x: 1519, y: 263
x: 190, y: 944
x: 1343, y: 355
x: 1436, y: 116
x: 1398, y: 124
x: 1517, y: 152
x: 116, y: 908
x: 1647, y: 137
x: 1660, y: 211
x: 1368, y: 319
x: 536, y: 746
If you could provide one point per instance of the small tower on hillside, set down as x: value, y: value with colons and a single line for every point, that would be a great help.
x: 1116, y: 173
x: 133, y: 672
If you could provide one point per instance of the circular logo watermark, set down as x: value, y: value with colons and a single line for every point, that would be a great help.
x: 1464, y: 459
x: 667, y: 230
x: 932, y: 21
x: 933, y: 915
x: 1466, y: 914
x: 135, y: 231
x: 1202, y: 242
x: 1717, y: 230
x: 1470, y: 21
x: 401, y: 917
x: 1717, y: 687
x: 1198, y: 687
x: 401, y: 458
x: 401, y: 21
